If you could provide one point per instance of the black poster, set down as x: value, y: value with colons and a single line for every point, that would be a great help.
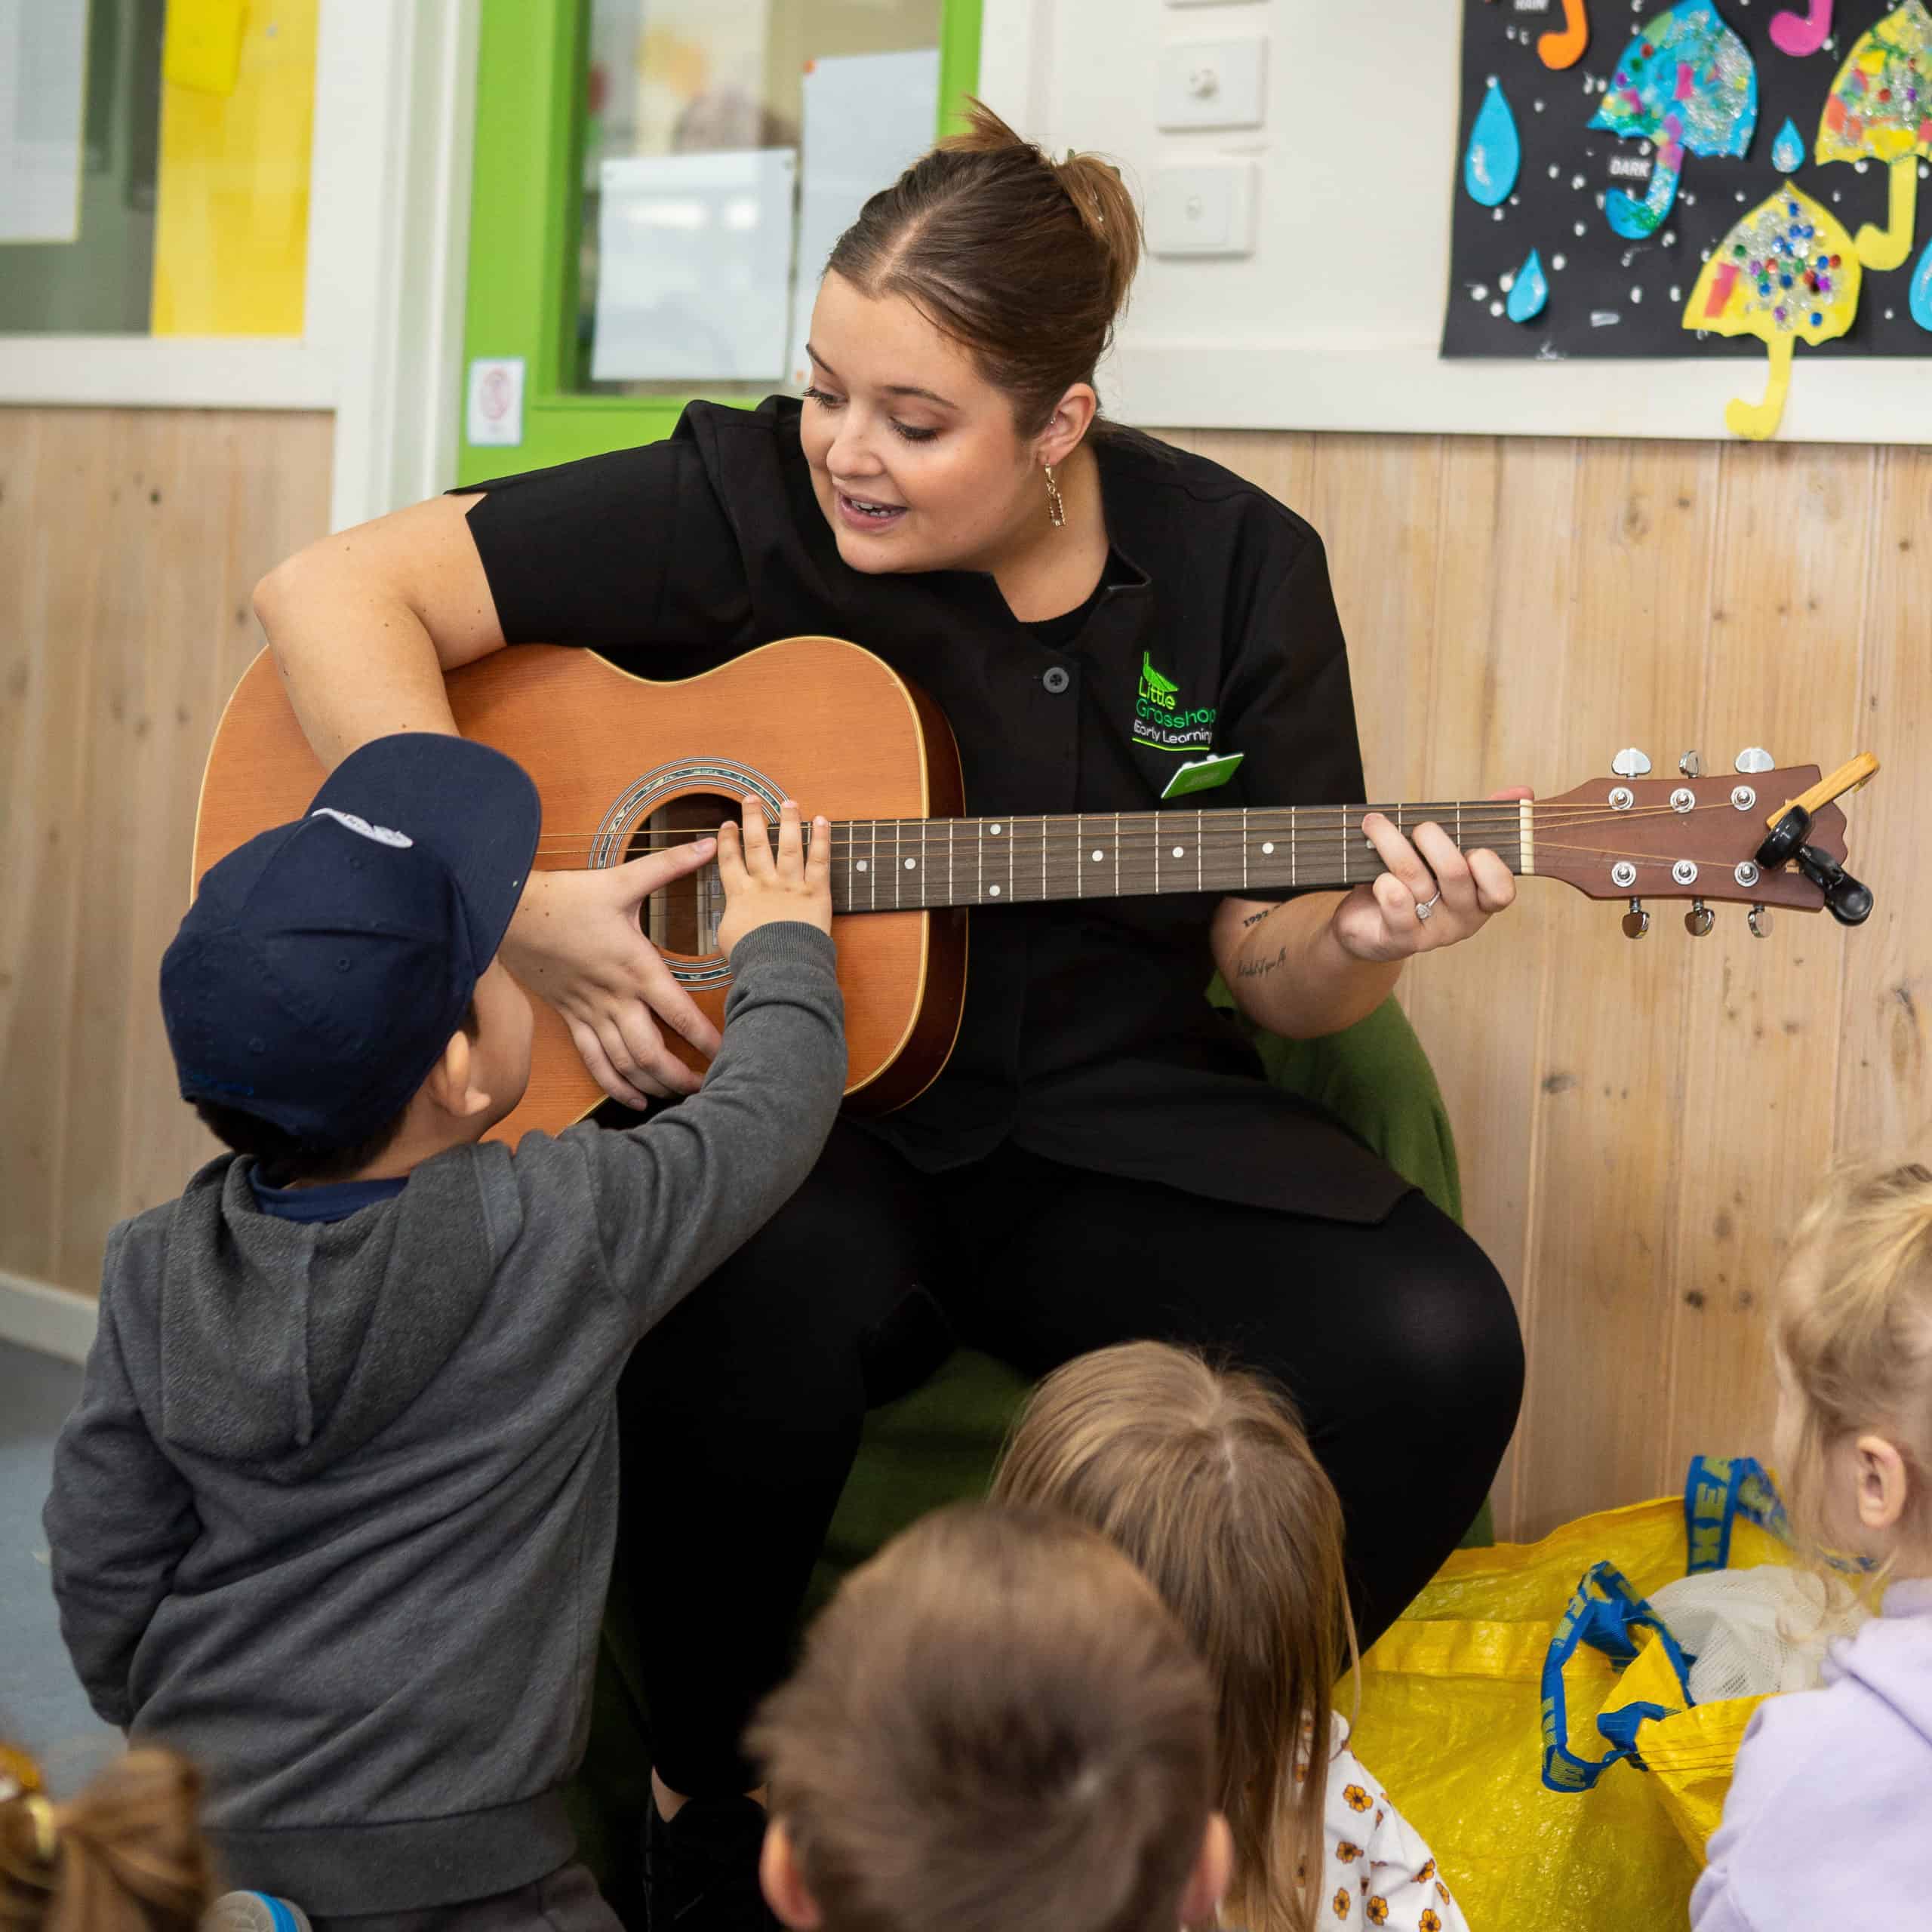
x: 1692, y: 160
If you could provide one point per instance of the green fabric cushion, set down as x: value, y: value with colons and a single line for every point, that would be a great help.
x: 938, y: 1444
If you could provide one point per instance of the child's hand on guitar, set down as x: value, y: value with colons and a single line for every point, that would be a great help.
x: 761, y: 888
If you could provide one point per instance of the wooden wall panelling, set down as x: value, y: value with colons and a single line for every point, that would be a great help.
x: 1761, y: 1044
x: 121, y: 562
x: 1503, y: 597
x: 140, y: 534
x: 52, y: 474
x: 1610, y: 1028
x: 1884, y: 1082
x: 1376, y: 501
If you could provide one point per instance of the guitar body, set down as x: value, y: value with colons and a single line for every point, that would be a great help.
x: 812, y: 718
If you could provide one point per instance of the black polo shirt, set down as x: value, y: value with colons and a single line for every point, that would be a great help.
x: 1086, y: 1038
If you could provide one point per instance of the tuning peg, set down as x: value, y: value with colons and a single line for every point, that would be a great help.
x: 1630, y: 763
x: 1759, y: 920
x: 1846, y: 900
x: 1698, y: 921
x: 1636, y: 921
x: 1691, y: 765
x: 1754, y: 758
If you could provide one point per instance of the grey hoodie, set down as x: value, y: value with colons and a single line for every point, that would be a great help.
x: 335, y: 1514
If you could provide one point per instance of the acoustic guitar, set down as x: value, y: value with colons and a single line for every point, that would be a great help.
x: 625, y: 764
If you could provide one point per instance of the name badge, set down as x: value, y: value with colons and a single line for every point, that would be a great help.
x: 1202, y: 774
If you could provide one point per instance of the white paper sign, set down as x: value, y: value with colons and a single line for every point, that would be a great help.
x: 867, y: 117
x: 496, y: 400
x: 695, y: 266
x: 43, y: 69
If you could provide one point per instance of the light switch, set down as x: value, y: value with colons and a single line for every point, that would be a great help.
x: 1213, y: 83
x: 1207, y: 210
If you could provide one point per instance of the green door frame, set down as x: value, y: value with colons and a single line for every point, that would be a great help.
x: 524, y: 205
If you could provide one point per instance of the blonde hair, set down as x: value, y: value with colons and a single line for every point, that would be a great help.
x: 1852, y: 1331
x: 997, y: 1726
x: 1204, y: 1476
x: 127, y: 1855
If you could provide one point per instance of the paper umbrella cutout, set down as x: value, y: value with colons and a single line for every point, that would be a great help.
x: 1802, y: 35
x: 1786, y: 271
x: 1689, y: 84
x: 1880, y: 108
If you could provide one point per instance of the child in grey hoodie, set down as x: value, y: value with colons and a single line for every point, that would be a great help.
x: 335, y: 1515
x: 1830, y: 1818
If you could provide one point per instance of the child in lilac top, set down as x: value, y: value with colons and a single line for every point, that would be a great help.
x: 1830, y: 1818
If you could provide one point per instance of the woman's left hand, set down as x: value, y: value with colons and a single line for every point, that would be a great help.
x: 1378, y: 922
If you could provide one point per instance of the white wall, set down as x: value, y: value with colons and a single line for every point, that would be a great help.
x: 1333, y: 323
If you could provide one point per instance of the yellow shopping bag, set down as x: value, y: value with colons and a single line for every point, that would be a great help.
x: 1476, y: 1706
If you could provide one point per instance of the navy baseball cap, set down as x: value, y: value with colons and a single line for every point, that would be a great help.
x: 324, y: 964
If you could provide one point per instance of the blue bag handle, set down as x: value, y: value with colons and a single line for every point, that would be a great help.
x: 1602, y: 1614
x: 1718, y: 1491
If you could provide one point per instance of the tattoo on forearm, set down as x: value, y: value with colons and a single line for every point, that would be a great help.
x: 1255, y: 918
x: 1259, y: 969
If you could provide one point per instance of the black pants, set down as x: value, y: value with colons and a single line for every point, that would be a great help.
x: 741, y: 1412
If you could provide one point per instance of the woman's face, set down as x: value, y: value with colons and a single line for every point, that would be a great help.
x: 914, y: 455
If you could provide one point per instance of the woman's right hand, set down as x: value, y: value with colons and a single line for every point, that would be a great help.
x: 576, y: 941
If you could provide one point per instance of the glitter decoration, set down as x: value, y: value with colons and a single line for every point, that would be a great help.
x: 1920, y: 299
x: 1530, y: 294
x: 1689, y: 84
x: 1787, y: 272
x: 1559, y: 263
x: 1802, y: 35
x: 1880, y: 109
x: 1788, y: 150
x: 1496, y: 151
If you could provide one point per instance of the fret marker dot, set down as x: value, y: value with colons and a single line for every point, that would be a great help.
x: 910, y: 864
x: 1269, y: 847
x: 996, y: 832
x: 1180, y: 850
x: 994, y: 890
x: 862, y: 865
x: 1098, y: 856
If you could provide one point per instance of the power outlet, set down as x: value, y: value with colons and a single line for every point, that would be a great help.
x: 1206, y: 210
x: 1213, y: 83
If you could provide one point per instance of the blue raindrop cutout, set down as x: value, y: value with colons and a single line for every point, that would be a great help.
x: 1489, y: 168
x: 1788, y: 150
x: 1921, y: 290
x: 1529, y: 291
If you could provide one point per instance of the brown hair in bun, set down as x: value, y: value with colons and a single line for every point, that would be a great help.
x: 1025, y: 261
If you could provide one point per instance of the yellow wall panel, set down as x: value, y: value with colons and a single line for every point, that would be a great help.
x: 232, y: 227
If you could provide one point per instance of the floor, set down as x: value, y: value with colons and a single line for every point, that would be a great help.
x: 41, y: 1707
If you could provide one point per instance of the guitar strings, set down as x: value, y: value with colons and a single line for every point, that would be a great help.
x: 846, y: 835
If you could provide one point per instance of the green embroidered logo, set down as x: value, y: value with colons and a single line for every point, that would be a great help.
x: 1163, y: 720
x: 1155, y: 689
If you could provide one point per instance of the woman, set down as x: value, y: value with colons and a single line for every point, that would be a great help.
x: 1100, y: 1160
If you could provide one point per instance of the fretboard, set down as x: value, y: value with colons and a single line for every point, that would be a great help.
x: 900, y: 865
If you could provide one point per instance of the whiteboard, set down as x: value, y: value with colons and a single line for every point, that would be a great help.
x: 1334, y: 322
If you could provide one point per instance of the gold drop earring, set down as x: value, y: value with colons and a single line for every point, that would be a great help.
x: 1055, y: 503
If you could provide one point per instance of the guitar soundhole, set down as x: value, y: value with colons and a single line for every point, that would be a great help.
x: 682, y: 918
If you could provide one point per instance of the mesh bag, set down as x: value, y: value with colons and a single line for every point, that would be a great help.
x: 1755, y: 1632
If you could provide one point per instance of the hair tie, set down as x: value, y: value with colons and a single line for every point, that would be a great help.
x: 46, y: 1832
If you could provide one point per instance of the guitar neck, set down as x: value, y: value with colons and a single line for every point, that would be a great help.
x: 901, y: 865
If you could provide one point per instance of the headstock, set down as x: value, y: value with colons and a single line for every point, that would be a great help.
x: 1761, y: 836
